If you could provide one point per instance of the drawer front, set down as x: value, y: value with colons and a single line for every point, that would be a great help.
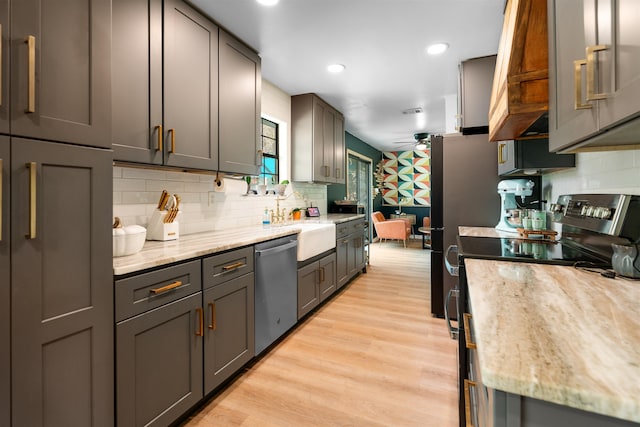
x: 147, y: 291
x: 218, y: 269
x: 346, y: 228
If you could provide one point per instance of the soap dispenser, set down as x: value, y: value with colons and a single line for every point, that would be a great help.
x: 266, y: 218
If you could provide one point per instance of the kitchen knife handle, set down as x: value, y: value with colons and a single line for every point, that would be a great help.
x: 32, y: 200
x: 467, y: 400
x: 167, y: 288
x: 1, y: 172
x: 577, y: 81
x: 212, y: 307
x: 591, y: 72
x: 159, y: 130
x: 31, y: 70
x: 200, y: 331
x: 467, y: 331
x: 173, y: 141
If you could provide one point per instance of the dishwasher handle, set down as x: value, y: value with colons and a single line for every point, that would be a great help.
x: 277, y: 249
x: 452, y: 269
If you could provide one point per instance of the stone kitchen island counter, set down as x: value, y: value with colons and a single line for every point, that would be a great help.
x: 558, y: 334
x: 155, y: 253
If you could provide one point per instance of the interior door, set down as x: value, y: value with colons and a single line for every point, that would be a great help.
x: 359, y: 183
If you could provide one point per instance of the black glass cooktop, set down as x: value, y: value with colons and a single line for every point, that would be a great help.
x: 526, y: 250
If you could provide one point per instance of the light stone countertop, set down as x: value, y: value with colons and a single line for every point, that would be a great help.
x: 484, y: 232
x: 558, y: 334
x: 155, y: 254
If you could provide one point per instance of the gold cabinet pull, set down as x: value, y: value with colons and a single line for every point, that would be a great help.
x: 31, y: 86
x: 467, y: 331
x: 501, y: 157
x: 32, y: 200
x: 167, y: 288
x: 173, y: 141
x: 577, y: 85
x: 212, y: 307
x: 337, y: 173
x: 200, y: 331
x: 591, y: 72
x: 321, y: 274
x: 159, y: 130
x: 233, y: 266
x: 1, y: 195
x: 467, y: 400
x: 259, y: 158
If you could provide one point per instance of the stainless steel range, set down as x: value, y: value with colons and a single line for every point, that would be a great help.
x: 591, y: 225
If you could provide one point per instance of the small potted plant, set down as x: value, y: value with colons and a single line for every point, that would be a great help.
x: 280, y: 188
x: 296, y: 213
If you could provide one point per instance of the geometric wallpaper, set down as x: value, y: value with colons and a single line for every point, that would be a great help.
x: 407, y: 178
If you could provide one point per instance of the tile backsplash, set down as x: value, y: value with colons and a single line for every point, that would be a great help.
x: 136, y: 192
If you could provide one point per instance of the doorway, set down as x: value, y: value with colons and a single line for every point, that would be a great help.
x: 359, y: 178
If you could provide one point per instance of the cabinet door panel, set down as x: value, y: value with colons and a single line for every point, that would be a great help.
x: 159, y: 360
x: 240, y: 87
x: 327, y: 267
x: 62, y: 294
x: 308, y: 295
x: 190, y: 88
x: 568, y: 38
x: 137, y: 80
x: 4, y: 68
x: 319, y: 170
x: 5, y: 284
x: 229, y: 336
x: 342, y: 269
x: 72, y: 82
x: 329, y: 136
x: 339, y: 149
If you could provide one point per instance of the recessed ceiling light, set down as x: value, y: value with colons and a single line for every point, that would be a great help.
x: 437, y: 48
x: 336, y: 68
x: 267, y: 2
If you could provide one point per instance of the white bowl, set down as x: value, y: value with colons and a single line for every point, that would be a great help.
x: 128, y: 240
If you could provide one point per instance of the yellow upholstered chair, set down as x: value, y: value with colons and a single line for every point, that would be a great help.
x: 397, y: 229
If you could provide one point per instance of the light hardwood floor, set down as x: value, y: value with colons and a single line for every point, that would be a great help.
x: 372, y: 356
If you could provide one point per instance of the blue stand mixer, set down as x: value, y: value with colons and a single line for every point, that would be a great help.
x: 510, y: 212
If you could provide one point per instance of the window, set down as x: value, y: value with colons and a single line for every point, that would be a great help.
x: 270, y: 162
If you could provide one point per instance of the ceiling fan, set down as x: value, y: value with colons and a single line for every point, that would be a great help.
x: 422, y: 141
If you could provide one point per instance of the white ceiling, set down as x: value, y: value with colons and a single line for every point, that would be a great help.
x: 381, y: 42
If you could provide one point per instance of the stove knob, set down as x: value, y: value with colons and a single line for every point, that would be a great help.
x: 605, y: 213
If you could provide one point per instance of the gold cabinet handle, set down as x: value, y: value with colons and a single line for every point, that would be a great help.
x: 173, y: 141
x: 337, y: 173
x: 1, y: 195
x: 200, y: 331
x: 577, y: 85
x: 259, y: 158
x: 467, y: 400
x: 591, y: 72
x: 212, y: 307
x: 0, y: 66
x: 31, y: 86
x: 321, y: 274
x: 159, y: 130
x: 234, y: 266
x: 32, y: 200
x: 467, y: 331
x: 167, y: 288
x: 501, y: 157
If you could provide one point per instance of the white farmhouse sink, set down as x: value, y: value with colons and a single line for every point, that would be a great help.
x: 314, y: 239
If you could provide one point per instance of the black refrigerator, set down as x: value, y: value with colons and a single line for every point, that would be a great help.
x: 464, y: 182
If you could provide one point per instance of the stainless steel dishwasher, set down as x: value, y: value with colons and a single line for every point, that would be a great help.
x: 276, y: 290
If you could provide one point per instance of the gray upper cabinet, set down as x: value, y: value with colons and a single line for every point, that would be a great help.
x: 530, y: 157
x: 60, y: 70
x: 317, y: 140
x: 185, y: 46
x: 5, y: 285
x: 594, y: 72
x: 240, y: 95
x: 61, y: 289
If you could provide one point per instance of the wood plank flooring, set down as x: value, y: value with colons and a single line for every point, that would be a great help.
x: 372, y: 356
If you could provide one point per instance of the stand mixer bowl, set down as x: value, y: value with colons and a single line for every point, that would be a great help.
x: 625, y: 260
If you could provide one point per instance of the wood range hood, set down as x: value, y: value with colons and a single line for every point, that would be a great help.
x: 520, y: 93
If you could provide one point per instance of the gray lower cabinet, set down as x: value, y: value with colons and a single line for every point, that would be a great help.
x: 240, y: 109
x: 5, y: 286
x: 159, y: 342
x: 350, y: 250
x: 229, y: 340
x: 316, y: 282
x: 60, y: 70
x: 61, y: 292
x: 165, y: 84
